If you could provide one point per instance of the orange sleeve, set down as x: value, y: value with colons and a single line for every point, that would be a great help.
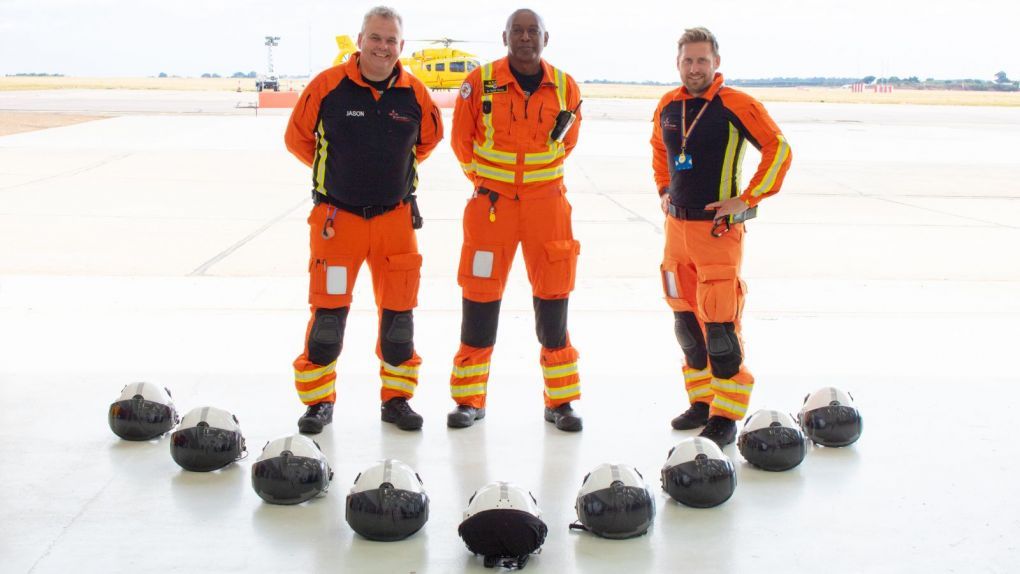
x: 431, y: 131
x: 776, y: 154
x: 573, y: 97
x: 465, y: 118
x: 660, y: 163
x: 300, y: 134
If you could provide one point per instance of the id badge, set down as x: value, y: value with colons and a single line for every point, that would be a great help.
x: 683, y: 162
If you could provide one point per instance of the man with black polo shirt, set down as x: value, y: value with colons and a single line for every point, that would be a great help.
x: 362, y: 127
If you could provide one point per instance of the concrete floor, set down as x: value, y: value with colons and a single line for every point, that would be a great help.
x: 169, y: 247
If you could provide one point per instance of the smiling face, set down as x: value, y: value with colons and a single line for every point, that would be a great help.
x: 525, y: 38
x: 380, y: 42
x: 697, y: 64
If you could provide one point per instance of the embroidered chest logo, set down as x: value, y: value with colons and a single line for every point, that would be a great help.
x: 355, y: 113
x: 397, y: 117
x: 490, y: 87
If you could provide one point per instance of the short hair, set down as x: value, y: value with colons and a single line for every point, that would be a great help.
x: 384, y: 12
x: 510, y: 19
x: 699, y: 34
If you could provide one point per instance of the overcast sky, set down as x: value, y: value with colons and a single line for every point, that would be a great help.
x: 634, y: 41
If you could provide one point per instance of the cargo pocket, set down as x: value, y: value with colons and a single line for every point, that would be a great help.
x: 670, y: 271
x: 403, y: 274
x: 330, y: 282
x: 481, y: 271
x: 718, y: 293
x: 554, y: 277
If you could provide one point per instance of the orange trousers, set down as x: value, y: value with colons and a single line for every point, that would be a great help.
x: 388, y: 243
x: 494, y: 225
x: 701, y: 276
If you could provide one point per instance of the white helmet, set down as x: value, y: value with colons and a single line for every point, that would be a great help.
x: 143, y: 411
x: 771, y: 440
x: 208, y: 439
x: 698, y: 474
x: 502, y: 523
x: 829, y: 417
x: 291, y: 470
x: 614, y: 502
x: 387, y: 502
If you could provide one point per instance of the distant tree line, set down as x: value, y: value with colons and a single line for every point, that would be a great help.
x: 1001, y: 83
x: 34, y: 75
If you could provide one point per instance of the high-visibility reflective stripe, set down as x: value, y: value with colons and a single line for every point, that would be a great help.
x: 468, y: 167
x: 729, y: 406
x: 494, y: 173
x: 458, y: 391
x: 471, y: 371
x: 556, y: 151
x: 726, y: 177
x: 495, y: 155
x: 304, y: 376
x: 543, y: 174
x: 561, y: 87
x: 697, y: 375
x: 487, y: 118
x: 317, y: 392
x: 414, y: 166
x: 559, y: 393
x: 770, y: 176
x: 399, y: 384
x: 559, y: 371
x: 730, y: 386
x: 320, y: 161
x: 397, y: 370
x: 699, y: 392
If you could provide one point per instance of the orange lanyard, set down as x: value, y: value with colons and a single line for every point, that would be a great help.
x: 685, y: 132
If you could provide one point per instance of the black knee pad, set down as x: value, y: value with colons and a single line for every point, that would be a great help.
x: 396, y: 336
x: 691, y: 339
x: 723, y: 349
x: 551, y: 322
x: 327, y: 336
x: 478, y: 326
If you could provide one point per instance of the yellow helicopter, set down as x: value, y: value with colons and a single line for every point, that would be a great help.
x: 438, y: 68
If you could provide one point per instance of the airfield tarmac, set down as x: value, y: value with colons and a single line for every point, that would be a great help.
x: 167, y: 243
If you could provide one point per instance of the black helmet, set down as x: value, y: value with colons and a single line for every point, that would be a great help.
x: 829, y: 417
x: 614, y: 502
x: 387, y: 502
x: 291, y: 470
x: 771, y: 440
x: 144, y: 411
x: 208, y: 439
x: 698, y: 474
x: 502, y: 523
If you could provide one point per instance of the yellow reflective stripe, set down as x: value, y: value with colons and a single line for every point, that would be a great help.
x: 397, y: 370
x: 559, y: 393
x: 777, y: 162
x: 729, y: 406
x: 494, y: 173
x: 725, y: 178
x: 543, y: 174
x: 561, y: 87
x: 399, y: 384
x: 487, y: 118
x: 495, y: 155
x: 555, y: 152
x: 304, y: 376
x: 699, y: 392
x: 731, y: 386
x: 414, y: 165
x: 468, y: 167
x: 320, y: 161
x: 458, y: 391
x: 559, y: 371
x: 471, y: 370
x: 317, y: 392
x: 696, y: 375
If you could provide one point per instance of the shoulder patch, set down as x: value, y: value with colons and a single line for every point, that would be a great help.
x: 465, y: 90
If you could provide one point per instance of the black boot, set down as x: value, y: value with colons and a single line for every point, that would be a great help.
x: 564, y: 417
x: 316, y: 417
x: 399, y: 412
x: 464, y: 416
x: 692, y: 418
x: 720, y: 429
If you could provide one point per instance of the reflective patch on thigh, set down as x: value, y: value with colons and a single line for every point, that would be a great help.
x: 481, y: 265
x: 336, y: 280
x: 670, y: 284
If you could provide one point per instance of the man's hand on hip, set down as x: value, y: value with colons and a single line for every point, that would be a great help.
x: 731, y: 206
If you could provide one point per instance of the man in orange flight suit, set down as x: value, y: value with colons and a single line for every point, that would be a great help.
x: 362, y: 127
x: 514, y: 123
x: 700, y: 132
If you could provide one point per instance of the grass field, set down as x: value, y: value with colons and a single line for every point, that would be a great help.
x: 828, y: 95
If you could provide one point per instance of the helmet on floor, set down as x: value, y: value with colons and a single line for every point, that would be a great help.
x: 208, y: 439
x: 291, y: 470
x: 771, y: 440
x: 698, y: 474
x: 143, y: 411
x: 614, y: 502
x: 387, y: 502
x: 502, y: 523
x: 829, y: 417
